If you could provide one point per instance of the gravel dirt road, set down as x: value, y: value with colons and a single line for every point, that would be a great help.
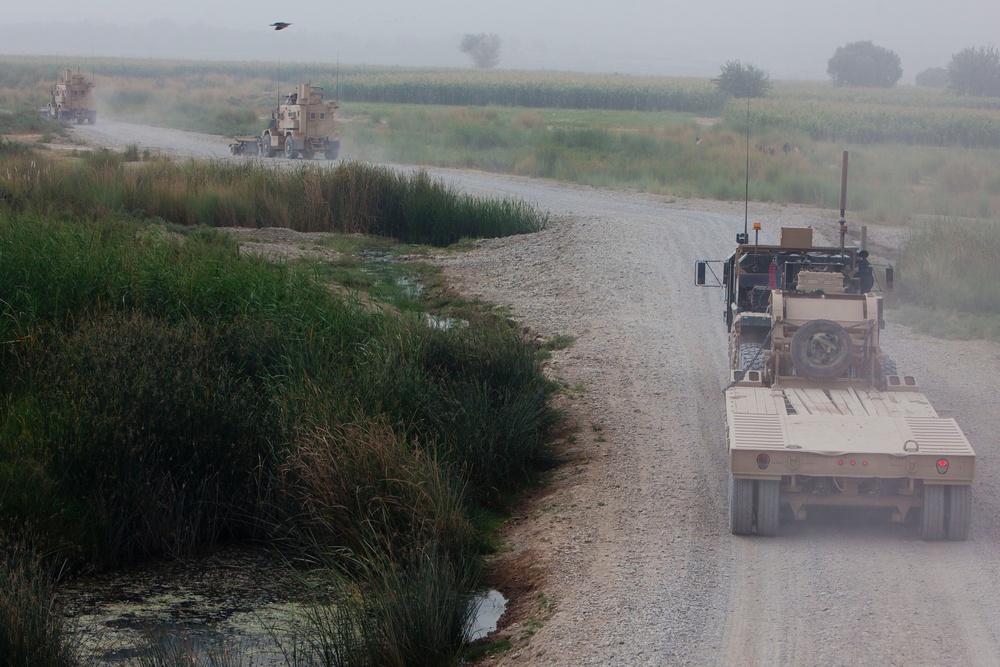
x: 626, y: 557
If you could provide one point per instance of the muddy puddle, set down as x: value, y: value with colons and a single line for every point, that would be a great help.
x: 240, y: 606
x: 241, y: 603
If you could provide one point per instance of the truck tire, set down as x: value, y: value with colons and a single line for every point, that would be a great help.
x: 821, y: 349
x: 932, y: 516
x: 768, y: 506
x: 959, y: 514
x: 290, y: 151
x: 888, y: 367
x: 740, y: 505
x: 332, y: 150
x: 751, y: 357
x: 266, y: 149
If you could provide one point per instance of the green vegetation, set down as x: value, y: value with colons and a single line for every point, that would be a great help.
x: 19, y: 116
x: 951, y: 277
x: 165, y: 391
x: 352, y: 198
x: 33, y: 632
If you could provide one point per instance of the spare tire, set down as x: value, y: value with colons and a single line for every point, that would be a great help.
x: 821, y: 349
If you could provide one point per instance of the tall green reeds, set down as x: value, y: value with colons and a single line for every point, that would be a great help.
x: 351, y: 198
x: 164, y: 391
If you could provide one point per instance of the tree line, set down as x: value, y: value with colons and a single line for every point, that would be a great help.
x: 971, y: 71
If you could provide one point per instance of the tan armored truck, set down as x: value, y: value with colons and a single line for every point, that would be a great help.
x: 816, y: 413
x: 72, y: 99
x: 304, y: 124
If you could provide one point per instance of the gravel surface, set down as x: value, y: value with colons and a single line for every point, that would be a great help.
x: 626, y: 558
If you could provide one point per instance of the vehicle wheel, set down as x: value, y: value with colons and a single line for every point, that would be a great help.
x: 290, y: 151
x: 768, y: 506
x: 932, y: 516
x: 740, y: 505
x: 887, y: 367
x: 959, y: 514
x: 332, y: 150
x: 266, y: 149
x: 821, y: 349
x: 751, y: 357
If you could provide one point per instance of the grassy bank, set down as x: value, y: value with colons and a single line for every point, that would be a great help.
x: 164, y: 392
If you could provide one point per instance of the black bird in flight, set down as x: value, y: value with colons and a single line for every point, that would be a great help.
x: 280, y: 25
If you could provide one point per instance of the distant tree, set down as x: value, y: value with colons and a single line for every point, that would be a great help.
x: 975, y: 71
x: 484, y: 49
x: 864, y: 64
x: 741, y: 80
x: 933, y: 77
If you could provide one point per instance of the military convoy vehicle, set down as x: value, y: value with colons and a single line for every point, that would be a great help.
x: 71, y: 100
x: 304, y: 124
x: 817, y: 414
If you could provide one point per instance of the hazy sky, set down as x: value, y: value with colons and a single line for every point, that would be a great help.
x: 788, y: 38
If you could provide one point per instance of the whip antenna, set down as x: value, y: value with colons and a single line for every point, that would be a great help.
x: 746, y: 194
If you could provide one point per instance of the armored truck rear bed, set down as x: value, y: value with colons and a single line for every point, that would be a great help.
x: 848, y: 446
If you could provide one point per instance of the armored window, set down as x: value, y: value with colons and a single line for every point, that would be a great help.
x: 312, y: 115
x: 322, y: 115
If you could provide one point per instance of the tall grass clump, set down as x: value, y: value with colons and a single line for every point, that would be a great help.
x: 370, y: 490
x: 388, y: 524
x: 32, y: 631
x: 479, y: 395
x: 392, y: 614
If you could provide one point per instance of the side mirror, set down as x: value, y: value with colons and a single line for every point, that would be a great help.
x: 743, y: 238
x: 700, y: 271
x: 888, y: 278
